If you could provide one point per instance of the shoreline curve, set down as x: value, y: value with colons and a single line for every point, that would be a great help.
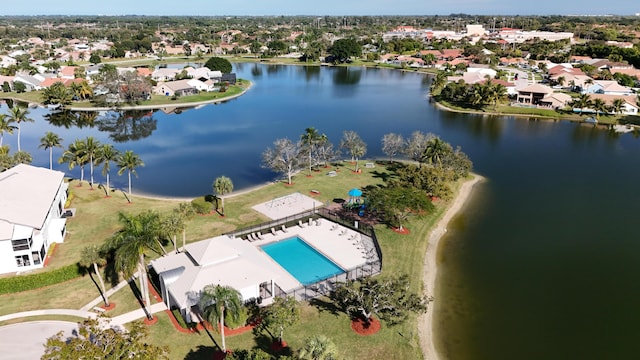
x: 430, y: 268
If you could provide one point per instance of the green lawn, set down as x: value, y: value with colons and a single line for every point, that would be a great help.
x: 96, y: 220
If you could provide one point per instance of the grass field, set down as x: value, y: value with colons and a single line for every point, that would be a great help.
x: 96, y: 220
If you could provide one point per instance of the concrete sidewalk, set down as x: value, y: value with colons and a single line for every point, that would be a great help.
x: 110, y: 292
x: 70, y: 312
x: 137, y: 314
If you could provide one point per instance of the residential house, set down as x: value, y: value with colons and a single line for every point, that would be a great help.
x: 179, y: 87
x: 32, y: 214
x: 6, y: 61
x: 629, y: 107
x: 533, y: 94
x: 32, y: 83
x: 165, y: 74
x: 608, y: 87
x: 556, y: 100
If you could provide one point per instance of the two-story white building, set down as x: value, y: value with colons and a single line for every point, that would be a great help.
x: 31, y: 216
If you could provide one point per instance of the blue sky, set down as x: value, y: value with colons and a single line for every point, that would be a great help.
x: 323, y: 7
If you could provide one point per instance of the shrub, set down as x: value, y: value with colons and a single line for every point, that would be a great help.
x: 201, y: 206
x: 35, y: 281
x: 241, y: 321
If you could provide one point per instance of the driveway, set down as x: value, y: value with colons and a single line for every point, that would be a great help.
x: 25, y: 341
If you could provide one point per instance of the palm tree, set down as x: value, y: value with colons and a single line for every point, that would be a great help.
x: 599, y: 106
x: 18, y: 115
x: 216, y: 302
x: 75, y: 156
x: 91, y: 256
x: 5, y: 126
x: 91, y: 150
x: 436, y: 150
x: 318, y: 347
x: 185, y: 211
x: 222, y: 186
x: 105, y: 155
x: 48, y: 142
x: 616, y: 105
x: 128, y: 162
x: 138, y: 234
x: 310, y: 138
x: 172, y: 224
x: 582, y: 101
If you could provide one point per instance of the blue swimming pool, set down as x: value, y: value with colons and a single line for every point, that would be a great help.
x: 301, y: 260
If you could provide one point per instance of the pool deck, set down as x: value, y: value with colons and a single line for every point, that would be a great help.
x: 341, y: 245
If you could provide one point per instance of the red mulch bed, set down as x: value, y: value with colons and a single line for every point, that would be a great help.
x: 287, y: 184
x: 358, y: 325
x: 150, y: 322
x: 50, y: 254
x: 403, y: 231
x: 278, y: 346
x: 111, y: 306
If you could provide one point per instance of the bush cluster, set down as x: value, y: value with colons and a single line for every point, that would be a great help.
x: 201, y: 206
x: 35, y: 281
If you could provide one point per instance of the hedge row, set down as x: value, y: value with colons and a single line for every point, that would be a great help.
x: 35, y: 281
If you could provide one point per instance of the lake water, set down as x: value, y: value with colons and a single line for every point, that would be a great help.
x: 542, y: 264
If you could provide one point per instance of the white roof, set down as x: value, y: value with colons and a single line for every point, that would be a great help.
x: 224, y: 261
x: 26, y: 195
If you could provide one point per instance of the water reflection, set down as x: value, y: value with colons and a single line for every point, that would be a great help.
x: 128, y: 125
x: 68, y: 119
x: 488, y: 127
x: 310, y: 72
x: 347, y: 76
x: 256, y: 70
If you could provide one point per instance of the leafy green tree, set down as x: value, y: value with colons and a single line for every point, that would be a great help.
x: 5, y: 126
x: 172, y: 224
x: 95, y: 58
x: 106, y: 155
x: 616, y: 106
x: 222, y: 186
x: 219, y: 64
x: 19, y: 87
x: 392, y: 145
x: 252, y: 354
x: 95, y: 339
x: 216, y: 302
x: 19, y: 115
x: 49, y: 141
x: 318, y: 347
x: 354, y: 144
x: 275, y: 318
x: 92, y: 256
x: 581, y: 102
x: 390, y: 298
x: 397, y: 203
x: 57, y: 94
x: 22, y: 157
x: 284, y: 158
x: 129, y: 161
x: 344, y: 49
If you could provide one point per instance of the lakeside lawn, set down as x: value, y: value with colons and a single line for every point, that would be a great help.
x: 96, y: 220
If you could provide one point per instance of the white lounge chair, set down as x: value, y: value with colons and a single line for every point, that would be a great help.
x: 284, y: 229
x: 301, y: 224
x: 273, y: 231
x: 259, y: 235
x: 318, y: 222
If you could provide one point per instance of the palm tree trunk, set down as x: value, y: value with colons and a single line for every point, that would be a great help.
x: 184, y: 239
x: 50, y: 158
x: 81, y: 174
x: 103, y: 289
x: 161, y: 247
x: 18, y: 136
x: 108, y: 188
x: 224, y: 346
x: 222, y: 202
x: 144, y: 289
x: 129, y: 173
x: 175, y: 244
x: 91, y: 172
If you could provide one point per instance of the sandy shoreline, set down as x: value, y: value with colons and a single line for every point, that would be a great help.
x: 425, y: 321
